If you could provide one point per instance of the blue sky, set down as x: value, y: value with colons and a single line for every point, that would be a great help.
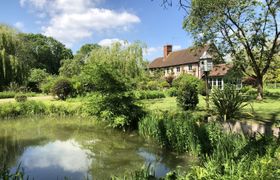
x: 76, y: 22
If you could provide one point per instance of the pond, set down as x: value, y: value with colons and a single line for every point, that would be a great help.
x: 55, y: 148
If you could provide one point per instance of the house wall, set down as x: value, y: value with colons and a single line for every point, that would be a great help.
x: 195, y: 70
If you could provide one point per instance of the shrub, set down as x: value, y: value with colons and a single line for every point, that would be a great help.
x: 12, y: 94
x: 149, y: 94
x: 62, y: 88
x: 20, y: 98
x: 7, y: 94
x: 152, y: 85
x: 172, y: 92
x: 227, y: 102
x: 36, y: 77
x: 113, y: 101
x: 46, y: 86
x: 187, y: 91
x: 119, y: 110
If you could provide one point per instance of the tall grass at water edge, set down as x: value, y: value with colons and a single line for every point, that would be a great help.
x: 222, y: 155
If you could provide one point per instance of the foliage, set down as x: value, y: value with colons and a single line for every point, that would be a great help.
x: 62, y: 88
x: 20, y: 98
x: 187, y: 91
x: 31, y: 108
x: 111, y: 73
x: 19, y: 53
x: 146, y: 173
x: 248, y: 30
x: 70, y: 67
x: 12, y: 94
x: 48, y: 52
x: 46, y: 86
x: 178, y: 132
x: 5, y: 173
x: 172, y: 92
x: 36, y: 77
x: 118, y: 109
x: 227, y: 102
x: 12, y: 67
x: 149, y: 94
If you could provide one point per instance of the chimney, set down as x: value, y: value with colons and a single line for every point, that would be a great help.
x: 166, y: 50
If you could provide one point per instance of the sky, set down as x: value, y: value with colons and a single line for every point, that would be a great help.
x: 76, y: 22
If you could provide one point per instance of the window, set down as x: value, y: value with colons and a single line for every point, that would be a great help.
x: 190, y: 67
x: 178, y: 69
x: 214, y: 82
x: 220, y: 83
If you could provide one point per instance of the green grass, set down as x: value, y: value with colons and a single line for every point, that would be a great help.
x: 169, y: 103
x: 266, y: 110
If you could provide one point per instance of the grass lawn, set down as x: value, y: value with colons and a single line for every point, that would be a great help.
x: 266, y: 110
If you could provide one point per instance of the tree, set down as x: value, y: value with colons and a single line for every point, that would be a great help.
x: 111, y: 72
x: 36, y: 77
x: 46, y: 51
x: 12, y: 67
x: 248, y: 30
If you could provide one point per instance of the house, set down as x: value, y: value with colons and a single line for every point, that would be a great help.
x: 194, y: 61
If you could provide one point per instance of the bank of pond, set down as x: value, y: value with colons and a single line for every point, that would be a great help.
x: 38, y: 142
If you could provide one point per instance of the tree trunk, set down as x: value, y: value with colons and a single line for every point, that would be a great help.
x: 260, y: 88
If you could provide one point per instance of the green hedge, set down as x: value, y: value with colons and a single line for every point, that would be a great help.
x: 29, y: 108
x: 12, y: 94
x: 149, y: 94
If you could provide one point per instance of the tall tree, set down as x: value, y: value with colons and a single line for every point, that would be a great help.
x: 248, y: 30
x: 12, y: 68
x: 46, y: 51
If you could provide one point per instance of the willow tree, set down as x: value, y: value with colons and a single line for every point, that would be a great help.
x: 248, y: 30
x: 10, y: 65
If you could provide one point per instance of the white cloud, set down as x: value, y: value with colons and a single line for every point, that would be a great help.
x: 19, y: 25
x: 155, y: 50
x: 152, y: 50
x: 177, y: 47
x: 109, y: 42
x: 74, y: 20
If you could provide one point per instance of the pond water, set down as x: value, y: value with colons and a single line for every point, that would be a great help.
x: 79, y: 149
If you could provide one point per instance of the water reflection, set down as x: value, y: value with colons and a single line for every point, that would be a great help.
x: 67, y: 155
x: 79, y: 151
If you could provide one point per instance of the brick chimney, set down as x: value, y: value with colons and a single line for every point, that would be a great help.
x: 166, y: 50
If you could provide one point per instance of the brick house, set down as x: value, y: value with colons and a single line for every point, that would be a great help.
x: 191, y: 61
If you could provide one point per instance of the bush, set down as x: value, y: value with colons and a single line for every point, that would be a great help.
x: 36, y: 77
x: 153, y: 85
x: 149, y: 94
x: 172, y: 92
x: 12, y: 94
x: 20, y: 98
x: 119, y: 110
x: 227, y: 102
x: 47, y: 85
x: 62, y: 88
x: 187, y: 91
x: 7, y: 94
x: 29, y: 108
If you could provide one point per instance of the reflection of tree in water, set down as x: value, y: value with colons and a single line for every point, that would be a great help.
x: 11, y: 148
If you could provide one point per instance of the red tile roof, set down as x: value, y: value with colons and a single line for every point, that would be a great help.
x: 185, y: 56
x: 220, y: 70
